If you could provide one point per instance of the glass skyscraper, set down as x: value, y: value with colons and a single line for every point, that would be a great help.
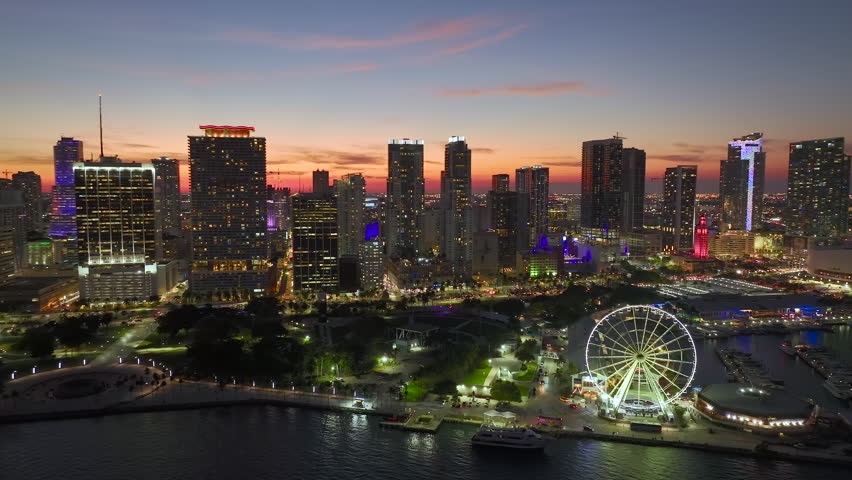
x: 456, y: 205
x: 678, y: 212
x: 818, y: 188
x: 66, y: 152
x: 741, y: 181
x: 404, y: 202
x: 601, y: 207
x: 534, y: 184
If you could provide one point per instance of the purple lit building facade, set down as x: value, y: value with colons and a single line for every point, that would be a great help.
x: 63, y: 222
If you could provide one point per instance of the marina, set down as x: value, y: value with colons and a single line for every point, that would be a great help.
x: 744, y: 369
x: 838, y: 375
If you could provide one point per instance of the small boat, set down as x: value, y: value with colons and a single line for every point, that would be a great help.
x: 788, y: 349
x: 839, y: 387
x: 512, y: 438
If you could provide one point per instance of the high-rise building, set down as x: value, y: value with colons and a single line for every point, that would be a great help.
x: 818, y: 188
x: 29, y: 183
x: 534, y: 184
x: 701, y: 248
x: 66, y: 152
x: 456, y: 205
x: 167, y: 194
x: 601, y: 191
x: 505, y: 221
x: 500, y: 182
x: 315, y: 260
x: 350, y: 192
x: 279, y: 209
x: 633, y: 189
x: 678, y: 208
x: 741, y: 180
x: 321, y: 186
x: 404, y: 202
x: 14, y: 234
x: 372, y: 262
x: 227, y: 168
x: 115, y: 230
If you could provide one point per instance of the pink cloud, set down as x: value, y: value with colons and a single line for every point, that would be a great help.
x: 499, y: 37
x: 532, y: 90
x: 421, y: 32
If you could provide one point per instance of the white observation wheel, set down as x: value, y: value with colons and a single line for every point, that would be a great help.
x: 641, y: 358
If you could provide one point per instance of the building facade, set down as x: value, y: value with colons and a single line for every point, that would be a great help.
x: 372, y: 260
x: 404, y: 201
x: 228, y: 208
x: 601, y: 190
x: 741, y: 181
x: 115, y: 230
x: 534, y: 183
x: 505, y: 206
x: 350, y: 192
x: 456, y: 204
x: 818, y: 188
x: 500, y: 182
x: 29, y: 183
x: 633, y: 188
x: 167, y: 194
x: 678, y: 212
x: 320, y: 182
x: 315, y: 238
x: 66, y: 152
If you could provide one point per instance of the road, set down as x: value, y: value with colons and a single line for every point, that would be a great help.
x: 125, y: 345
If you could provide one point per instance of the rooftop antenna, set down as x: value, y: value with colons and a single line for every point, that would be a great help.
x: 101, y: 122
x: 618, y: 136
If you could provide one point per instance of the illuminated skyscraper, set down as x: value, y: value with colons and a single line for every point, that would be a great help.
x: 701, y: 248
x: 321, y: 186
x: 66, y: 152
x: 500, y: 182
x: 404, y: 202
x: 227, y: 168
x: 633, y: 188
x: 456, y: 205
x: 350, y: 192
x: 601, y: 206
x: 167, y: 194
x: 678, y: 208
x: 505, y: 220
x: 534, y: 183
x: 13, y: 232
x: 115, y: 230
x: 315, y: 260
x: 818, y: 188
x: 29, y: 183
x: 372, y: 262
x: 741, y: 180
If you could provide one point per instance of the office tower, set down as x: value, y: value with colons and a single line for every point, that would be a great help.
x: 227, y: 168
x: 404, y: 202
x: 167, y: 194
x: 321, y: 186
x: 741, y: 179
x: 534, y: 183
x: 279, y: 209
x: 601, y: 199
x: 818, y: 188
x: 633, y: 188
x: 504, y: 207
x: 500, y: 182
x: 456, y: 205
x: 115, y: 230
x: 350, y: 192
x: 701, y: 248
x: 29, y: 183
x: 372, y: 262
x: 315, y: 260
x: 66, y: 152
x: 678, y: 209
x: 14, y: 232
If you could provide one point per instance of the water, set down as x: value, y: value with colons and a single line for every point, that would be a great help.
x: 272, y: 442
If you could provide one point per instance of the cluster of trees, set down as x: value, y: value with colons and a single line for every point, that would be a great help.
x: 504, y: 390
x: 526, y: 352
x: 70, y: 332
x: 452, y: 362
x: 578, y: 300
x: 229, y: 343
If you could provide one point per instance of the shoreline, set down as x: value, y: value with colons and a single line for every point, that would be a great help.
x: 130, y: 408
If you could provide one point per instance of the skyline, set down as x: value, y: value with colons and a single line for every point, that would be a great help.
x: 527, y: 86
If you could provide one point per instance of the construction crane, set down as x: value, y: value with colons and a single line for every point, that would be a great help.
x: 6, y: 173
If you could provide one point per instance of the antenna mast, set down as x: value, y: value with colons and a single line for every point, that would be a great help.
x: 101, y: 123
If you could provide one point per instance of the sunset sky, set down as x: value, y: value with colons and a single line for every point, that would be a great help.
x: 328, y: 83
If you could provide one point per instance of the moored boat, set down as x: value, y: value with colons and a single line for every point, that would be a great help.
x: 512, y: 438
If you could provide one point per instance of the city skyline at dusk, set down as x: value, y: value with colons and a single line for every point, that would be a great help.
x: 525, y: 86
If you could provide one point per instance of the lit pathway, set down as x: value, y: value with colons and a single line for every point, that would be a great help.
x: 125, y: 345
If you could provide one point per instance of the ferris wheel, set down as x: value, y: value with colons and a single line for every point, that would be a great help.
x: 641, y: 358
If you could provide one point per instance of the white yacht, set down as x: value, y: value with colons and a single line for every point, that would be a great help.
x: 516, y: 438
x: 839, y: 387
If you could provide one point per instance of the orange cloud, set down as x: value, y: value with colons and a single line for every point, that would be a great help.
x: 532, y: 90
x: 504, y: 35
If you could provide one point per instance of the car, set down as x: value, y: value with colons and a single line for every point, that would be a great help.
x: 565, y: 399
x: 587, y: 428
x: 574, y: 406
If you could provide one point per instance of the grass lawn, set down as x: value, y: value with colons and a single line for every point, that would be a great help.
x: 478, y: 375
x: 523, y: 390
x: 414, y: 392
x: 528, y: 375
